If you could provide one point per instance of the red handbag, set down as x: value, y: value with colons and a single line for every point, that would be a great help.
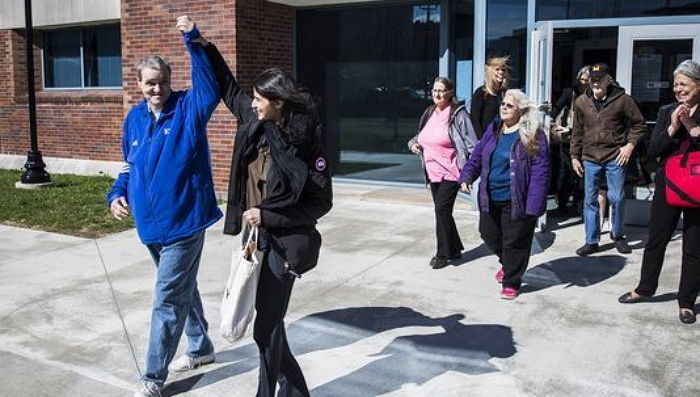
x: 683, y: 178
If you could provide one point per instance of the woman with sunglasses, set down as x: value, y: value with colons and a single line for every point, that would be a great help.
x: 512, y: 160
x: 444, y: 141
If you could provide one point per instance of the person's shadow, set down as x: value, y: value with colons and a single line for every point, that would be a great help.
x: 572, y: 271
x: 416, y: 359
x: 541, y: 241
x: 407, y: 359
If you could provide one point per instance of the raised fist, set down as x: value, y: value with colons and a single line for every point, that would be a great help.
x: 184, y: 24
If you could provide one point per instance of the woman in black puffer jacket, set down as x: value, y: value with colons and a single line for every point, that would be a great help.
x: 279, y: 183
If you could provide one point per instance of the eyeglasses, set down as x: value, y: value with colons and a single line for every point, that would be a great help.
x: 507, y: 105
x: 438, y: 91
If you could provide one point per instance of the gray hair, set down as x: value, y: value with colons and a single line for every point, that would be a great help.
x: 529, y: 122
x: 584, y: 71
x: 155, y: 62
x: 689, y: 68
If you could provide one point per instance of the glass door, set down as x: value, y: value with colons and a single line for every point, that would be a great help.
x: 646, y: 58
x: 540, y: 81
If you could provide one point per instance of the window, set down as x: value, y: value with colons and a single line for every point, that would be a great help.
x: 462, y: 45
x: 83, y: 57
x: 584, y: 9
x: 373, y: 67
x: 506, y: 34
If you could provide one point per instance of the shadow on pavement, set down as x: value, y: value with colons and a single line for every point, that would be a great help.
x: 572, y: 271
x: 408, y: 359
x: 413, y: 359
x: 667, y: 297
x: 556, y: 222
x: 542, y: 241
x: 473, y: 254
x: 242, y: 359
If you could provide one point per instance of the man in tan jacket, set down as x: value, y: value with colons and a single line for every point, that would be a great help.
x: 607, y: 126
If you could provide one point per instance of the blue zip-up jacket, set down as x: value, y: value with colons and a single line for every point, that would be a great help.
x: 168, y: 179
x: 529, y: 177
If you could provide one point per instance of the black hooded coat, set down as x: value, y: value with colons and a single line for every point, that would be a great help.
x: 299, y: 189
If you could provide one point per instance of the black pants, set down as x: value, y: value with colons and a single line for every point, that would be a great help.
x: 509, y: 239
x: 448, y: 242
x: 276, y: 360
x: 662, y: 223
x: 568, y: 183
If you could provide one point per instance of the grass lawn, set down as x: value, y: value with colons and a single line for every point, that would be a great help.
x: 75, y: 205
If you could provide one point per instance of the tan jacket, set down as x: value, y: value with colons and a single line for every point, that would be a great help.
x: 598, y: 136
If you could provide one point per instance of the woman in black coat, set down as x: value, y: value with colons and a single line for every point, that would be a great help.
x: 279, y: 183
x: 678, y: 125
x: 487, y: 98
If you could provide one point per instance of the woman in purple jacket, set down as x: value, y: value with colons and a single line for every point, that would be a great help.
x: 512, y: 160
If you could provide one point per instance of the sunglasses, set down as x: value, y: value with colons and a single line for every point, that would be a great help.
x: 507, y: 105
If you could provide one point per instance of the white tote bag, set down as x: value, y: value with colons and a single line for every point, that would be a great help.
x: 238, y: 303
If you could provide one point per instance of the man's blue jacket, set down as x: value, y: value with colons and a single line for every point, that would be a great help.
x: 167, y: 179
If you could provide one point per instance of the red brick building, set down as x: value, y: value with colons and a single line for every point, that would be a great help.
x: 84, y: 122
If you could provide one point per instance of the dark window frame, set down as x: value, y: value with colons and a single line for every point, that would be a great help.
x: 82, y: 29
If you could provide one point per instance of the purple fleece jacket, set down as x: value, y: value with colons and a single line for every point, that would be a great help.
x: 529, y: 175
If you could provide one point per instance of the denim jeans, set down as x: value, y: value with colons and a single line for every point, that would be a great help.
x: 176, y: 305
x: 615, y: 177
x: 474, y: 194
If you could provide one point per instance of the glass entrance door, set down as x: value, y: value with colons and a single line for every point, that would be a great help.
x: 648, y: 55
x: 540, y: 83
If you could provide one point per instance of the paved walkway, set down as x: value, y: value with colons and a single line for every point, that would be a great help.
x: 371, y: 319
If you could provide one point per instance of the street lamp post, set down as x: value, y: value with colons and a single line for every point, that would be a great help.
x: 35, y: 174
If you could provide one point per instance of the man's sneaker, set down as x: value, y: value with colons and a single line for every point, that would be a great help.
x: 148, y: 388
x: 587, y: 249
x: 499, y: 275
x: 509, y: 293
x: 621, y: 245
x: 186, y: 363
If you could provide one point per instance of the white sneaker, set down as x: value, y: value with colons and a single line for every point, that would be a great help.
x: 186, y: 363
x: 148, y: 388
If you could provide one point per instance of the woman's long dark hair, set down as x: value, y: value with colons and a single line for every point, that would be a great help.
x: 276, y: 84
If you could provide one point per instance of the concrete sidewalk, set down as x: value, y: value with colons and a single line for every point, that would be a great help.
x: 372, y: 319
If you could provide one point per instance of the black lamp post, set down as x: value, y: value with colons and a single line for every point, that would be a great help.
x: 35, y: 172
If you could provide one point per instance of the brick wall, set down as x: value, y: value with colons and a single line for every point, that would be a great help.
x: 251, y: 34
x: 81, y: 124
x: 264, y: 38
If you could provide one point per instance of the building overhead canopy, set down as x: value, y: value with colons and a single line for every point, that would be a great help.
x: 58, y: 12
x: 320, y: 3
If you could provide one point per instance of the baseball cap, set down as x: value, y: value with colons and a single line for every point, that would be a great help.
x: 599, y: 70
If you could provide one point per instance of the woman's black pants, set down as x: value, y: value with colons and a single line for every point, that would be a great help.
x: 276, y: 360
x: 509, y: 239
x: 662, y: 223
x: 449, y: 244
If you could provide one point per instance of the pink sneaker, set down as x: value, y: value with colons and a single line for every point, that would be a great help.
x: 509, y: 293
x: 499, y: 275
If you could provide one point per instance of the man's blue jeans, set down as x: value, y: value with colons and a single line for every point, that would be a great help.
x: 615, y: 177
x: 176, y: 305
